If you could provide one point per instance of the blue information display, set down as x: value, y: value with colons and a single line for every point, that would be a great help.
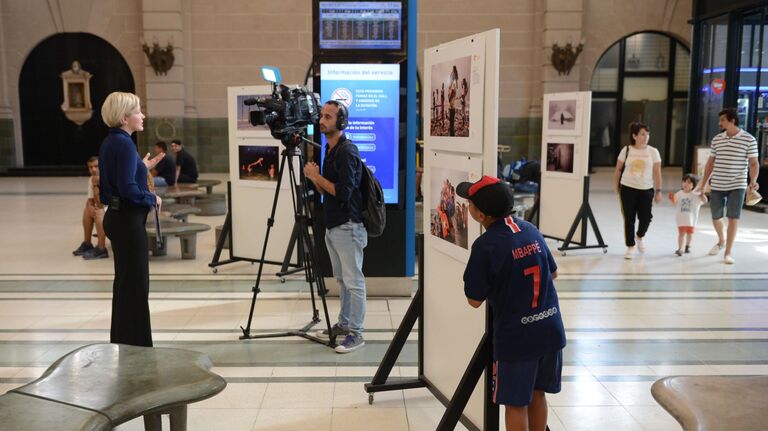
x: 371, y: 93
x: 360, y: 25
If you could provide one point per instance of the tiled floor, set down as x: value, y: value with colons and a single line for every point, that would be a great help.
x: 628, y: 322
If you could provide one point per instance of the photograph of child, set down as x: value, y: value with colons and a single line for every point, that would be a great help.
x: 450, y: 97
x: 258, y: 163
x: 448, y: 211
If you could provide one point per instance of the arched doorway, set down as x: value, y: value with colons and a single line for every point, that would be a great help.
x: 643, y: 77
x: 48, y: 137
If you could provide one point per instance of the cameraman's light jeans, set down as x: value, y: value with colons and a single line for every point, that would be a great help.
x: 345, y: 248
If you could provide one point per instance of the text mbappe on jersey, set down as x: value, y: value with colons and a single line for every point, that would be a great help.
x: 526, y: 250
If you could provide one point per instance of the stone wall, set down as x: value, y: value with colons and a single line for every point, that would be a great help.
x: 218, y: 45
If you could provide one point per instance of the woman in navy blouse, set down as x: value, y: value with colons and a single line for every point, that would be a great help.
x: 125, y: 190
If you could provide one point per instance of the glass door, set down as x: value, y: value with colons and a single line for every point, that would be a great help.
x: 645, y: 101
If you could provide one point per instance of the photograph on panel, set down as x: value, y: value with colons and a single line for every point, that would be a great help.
x: 448, y: 211
x: 450, y: 97
x: 245, y: 104
x: 562, y: 115
x: 258, y: 162
x: 560, y: 157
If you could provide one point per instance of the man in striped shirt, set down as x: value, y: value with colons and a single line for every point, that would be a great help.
x: 733, y: 153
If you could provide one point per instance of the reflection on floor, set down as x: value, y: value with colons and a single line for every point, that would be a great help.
x: 628, y: 322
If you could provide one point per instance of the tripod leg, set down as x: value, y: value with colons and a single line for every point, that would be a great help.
x: 270, y: 223
x: 306, y: 242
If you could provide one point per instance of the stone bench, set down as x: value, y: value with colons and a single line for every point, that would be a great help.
x: 212, y: 205
x: 179, y: 212
x: 101, y: 386
x: 181, y: 193
x: 187, y: 233
x: 208, y: 184
x: 709, y: 403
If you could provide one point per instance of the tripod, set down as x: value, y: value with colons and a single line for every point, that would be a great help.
x: 301, y: 240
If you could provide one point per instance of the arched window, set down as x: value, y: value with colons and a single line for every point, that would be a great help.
x: 643, y: 77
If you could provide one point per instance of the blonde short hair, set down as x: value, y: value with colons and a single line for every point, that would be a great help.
x: 117, y: 106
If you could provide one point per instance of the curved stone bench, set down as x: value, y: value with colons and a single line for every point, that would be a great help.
x: 709, y: 403
x: 179, y: 212
x: 212, y: 205
x: 187, y: 233
x: 100, y: 386
x: 207, y: 184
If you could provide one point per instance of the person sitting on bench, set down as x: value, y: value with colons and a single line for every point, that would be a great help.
x: 164, y: 173
x: 93, y: 216
x: 186, y: 166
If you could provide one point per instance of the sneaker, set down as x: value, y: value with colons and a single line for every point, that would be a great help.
x: 84, y: 247
x: 630, y: 253
x: 715, y: 249
x: 96, y: 253
x: 351, y: 343
x: 640, y: 244
x: 678, y: 252
x: 729, y: 260
x: 687, y: 248
x: 337, y: 330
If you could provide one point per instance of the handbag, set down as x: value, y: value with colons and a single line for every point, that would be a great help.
x: 624, y: 165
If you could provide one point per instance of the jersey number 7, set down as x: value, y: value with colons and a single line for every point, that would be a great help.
x: 535, y: 271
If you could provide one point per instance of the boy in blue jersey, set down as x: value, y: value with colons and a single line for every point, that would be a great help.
x: 512, y: 267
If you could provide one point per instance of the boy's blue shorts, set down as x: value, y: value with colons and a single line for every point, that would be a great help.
x: 513, y: 383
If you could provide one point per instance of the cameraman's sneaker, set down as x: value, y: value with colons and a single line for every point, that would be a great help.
x: 337, y: 330
x: 351, y: 343
x: 96, y: 253
x: 84, y: 248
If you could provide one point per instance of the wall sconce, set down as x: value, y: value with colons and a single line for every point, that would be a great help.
x: 563, y: 58
x: 161, y: 59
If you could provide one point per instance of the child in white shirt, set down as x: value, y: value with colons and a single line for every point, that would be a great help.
x: 687, y: 205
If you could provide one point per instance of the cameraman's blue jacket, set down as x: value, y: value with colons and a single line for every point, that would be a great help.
x: 343, y: 167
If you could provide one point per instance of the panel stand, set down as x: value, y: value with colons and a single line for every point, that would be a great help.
x: 583, y: 217
x: 226, y: 235
x: 481, y: 361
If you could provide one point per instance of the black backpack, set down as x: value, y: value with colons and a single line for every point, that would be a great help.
x: 374, y: 210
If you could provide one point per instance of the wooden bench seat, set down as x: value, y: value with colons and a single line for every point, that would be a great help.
x: 100, y: 386
x: 710, y: 403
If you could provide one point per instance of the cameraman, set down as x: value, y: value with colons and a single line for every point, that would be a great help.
x: 345, y: 235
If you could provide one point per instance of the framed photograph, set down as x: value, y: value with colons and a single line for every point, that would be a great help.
x: 240, y: 109
x: 562, y: 114
x: 560, y: 156
x: 244, y: 126
x: 453, y: 108
x: 258, y: 165
x: 451, y: 229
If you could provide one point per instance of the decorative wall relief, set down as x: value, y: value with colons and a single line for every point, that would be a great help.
x: 77, y: 94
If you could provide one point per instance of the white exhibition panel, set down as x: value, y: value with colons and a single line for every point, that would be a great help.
x: 453, y: 329
x: 252, y: 196
x: 564, y: 161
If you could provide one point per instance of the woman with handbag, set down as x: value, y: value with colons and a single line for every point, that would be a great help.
x: 638, y: 182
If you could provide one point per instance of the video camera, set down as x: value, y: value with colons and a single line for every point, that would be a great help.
x: 288, y: 112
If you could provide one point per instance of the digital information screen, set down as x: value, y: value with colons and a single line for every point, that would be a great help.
x: 360, y: 25
x: 371, y: 93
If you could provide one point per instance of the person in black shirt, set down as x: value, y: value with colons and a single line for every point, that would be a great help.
x: 124, y: 188
x: 164, y: 172
x: 186, y: 166
x: 345, y: 234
